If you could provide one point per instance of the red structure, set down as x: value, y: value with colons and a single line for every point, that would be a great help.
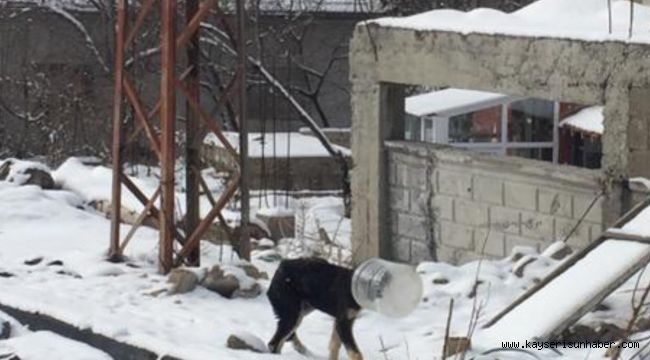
x: 177, y: 245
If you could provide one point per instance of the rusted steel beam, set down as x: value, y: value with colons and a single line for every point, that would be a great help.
x: 167, y: 124
x: 145, y: 9
x: 114, y: 252
x: 153, y: 113
x: 192, y: 136
x: 144, y: 200
x: 140, y: 115
x: 195, y: 237
x: 212, y: 124
x: 244, y: 243
x: 138, y: 127
x: 213, y: 202
x: 193, y: 24
x: 138, y: 222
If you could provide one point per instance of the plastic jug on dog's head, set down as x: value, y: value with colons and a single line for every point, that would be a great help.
x: 386, y: 287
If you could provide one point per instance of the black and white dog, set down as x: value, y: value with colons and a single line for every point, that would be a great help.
x: 302, y: 285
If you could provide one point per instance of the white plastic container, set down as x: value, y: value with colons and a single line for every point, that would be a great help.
x: 386, y: 287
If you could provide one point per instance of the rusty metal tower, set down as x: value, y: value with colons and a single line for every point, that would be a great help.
x: 161, y: 134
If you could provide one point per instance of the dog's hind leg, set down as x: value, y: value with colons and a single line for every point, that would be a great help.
x: 298, y: 345
x: 335, y: 344
x: 344, y: 329
x: 286, y: 326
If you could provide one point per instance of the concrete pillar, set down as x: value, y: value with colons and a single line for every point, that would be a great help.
x: 638, y: 133
x: 377, y: 115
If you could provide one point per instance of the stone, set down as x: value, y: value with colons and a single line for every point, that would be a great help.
x: 253, y: 271
x: 40, y: 178
x: 440, y: 281
x: 34, y: 261
x: 34, y: 176
x: 229, y: 286
x: 5, y: 329
x: 217, y: 281
x: 182, y: 281
x: 225, y: 286
x: 558, y: 250
x: 246, y: 342
x: 520, y: 266
x: 254, y: 291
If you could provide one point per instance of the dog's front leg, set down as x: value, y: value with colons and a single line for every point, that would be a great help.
x: 335, y: 344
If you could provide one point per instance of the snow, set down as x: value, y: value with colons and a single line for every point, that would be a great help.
x: 569, y: 19
x: 43, y: 345
x: 124, y: 300
x: 295, y: 144
x: 540, y: 314
x: 18, y: 168
x: 588, y: 120
x: 449, y: 102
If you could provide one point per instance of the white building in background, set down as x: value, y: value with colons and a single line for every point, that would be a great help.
x: 497, y: 124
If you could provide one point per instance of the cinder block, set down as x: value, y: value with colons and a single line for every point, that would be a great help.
x: 392, y: 173
x: 470, y: 213
x: 488, y: 189
x: 581, y: 235
x: 490, y: 243
x: 420, y: 251
x: 420, y: 202
x: 505, y: 220
x: 455, y: 184
x: 537, y: 226
x: 399, y: 199
x: 521, y: 196
x: 456, y: 235
x: 554, y: 202
x: 411, y: 226
x: 400, y: 248
x: 513, y: 240
x: 637, y: 132
x: 595, y: 230
x: 581, y: 204
x: 444, y: 207
x: 638, y: 163
x: 415, y: 177
x: 455, y: 256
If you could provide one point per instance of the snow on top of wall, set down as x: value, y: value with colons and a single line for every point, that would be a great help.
x: 588, y: 120
x: 573, y: 19
x: 448, y: 101
x: 296, y: 144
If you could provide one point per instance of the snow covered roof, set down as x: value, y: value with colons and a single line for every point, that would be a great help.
x: 572, y: 19
x: 589, y: 120
x: 296, y: 144
x: 450, y: 102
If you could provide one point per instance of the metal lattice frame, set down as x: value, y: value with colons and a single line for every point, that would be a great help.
x: 161, y: 140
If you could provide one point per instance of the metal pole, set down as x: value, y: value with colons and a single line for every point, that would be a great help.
x: 116, y: 202
x: 167, y: 121
x: 244, y: 243
x: 192, y: 137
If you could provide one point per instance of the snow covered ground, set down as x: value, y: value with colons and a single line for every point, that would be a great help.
x: 72, y: 282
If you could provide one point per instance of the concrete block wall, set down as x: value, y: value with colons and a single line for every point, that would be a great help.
x: 454, y: 205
